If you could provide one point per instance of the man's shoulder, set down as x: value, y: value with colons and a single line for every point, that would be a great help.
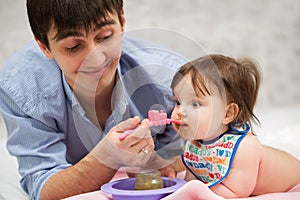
x: 28, y: 59
x: 149, y: 53
x: 28, y: 76
x: 155, y: 64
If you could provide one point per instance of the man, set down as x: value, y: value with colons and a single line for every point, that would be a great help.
x: 67, y: 96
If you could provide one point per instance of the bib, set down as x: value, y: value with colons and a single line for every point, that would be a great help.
x: 210, y: 161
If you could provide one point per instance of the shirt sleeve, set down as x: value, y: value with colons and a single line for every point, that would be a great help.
x: 39, y: 149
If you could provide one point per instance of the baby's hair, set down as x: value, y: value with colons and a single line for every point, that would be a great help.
x: 236, y: 80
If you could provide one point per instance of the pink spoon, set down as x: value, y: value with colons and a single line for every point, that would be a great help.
x: 156, y: 118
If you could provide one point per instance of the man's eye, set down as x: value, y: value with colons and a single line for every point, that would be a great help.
x: 107, y: 37
x: 101, y: 39
x: 73, y: 48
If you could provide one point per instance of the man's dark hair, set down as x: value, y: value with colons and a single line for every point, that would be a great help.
x: 68, y: 15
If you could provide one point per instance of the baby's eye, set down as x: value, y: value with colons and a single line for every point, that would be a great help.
x: 196, y: 104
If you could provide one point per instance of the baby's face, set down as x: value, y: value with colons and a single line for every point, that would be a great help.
x: 203, y: 115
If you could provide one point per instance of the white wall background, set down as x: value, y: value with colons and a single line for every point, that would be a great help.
x: 268, y: 31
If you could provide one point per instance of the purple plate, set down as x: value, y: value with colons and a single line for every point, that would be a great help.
x: 125, y: 189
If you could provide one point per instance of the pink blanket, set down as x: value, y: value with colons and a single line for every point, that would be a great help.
x: 194, y: 190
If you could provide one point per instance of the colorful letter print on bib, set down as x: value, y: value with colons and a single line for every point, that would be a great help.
x: 210, y: 161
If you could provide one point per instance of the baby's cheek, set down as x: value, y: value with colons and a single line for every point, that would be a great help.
x: 175, y: 127
x: 173, y: 114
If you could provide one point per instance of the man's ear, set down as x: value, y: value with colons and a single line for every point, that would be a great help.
x: 232, y: 110
x: 123, y: 20
x: 44, y: 49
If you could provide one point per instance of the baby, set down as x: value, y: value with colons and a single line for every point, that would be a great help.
x: 215, y: 97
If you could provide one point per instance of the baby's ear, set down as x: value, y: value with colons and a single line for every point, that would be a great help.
x: 232, y: 110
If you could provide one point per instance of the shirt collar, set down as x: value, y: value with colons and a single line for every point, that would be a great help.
x: 119, y: 101
x: 69, y: 93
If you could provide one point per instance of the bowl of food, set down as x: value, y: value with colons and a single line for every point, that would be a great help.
x: 125, y: 189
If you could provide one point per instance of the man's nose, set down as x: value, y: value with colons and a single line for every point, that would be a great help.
x: 96, y: 57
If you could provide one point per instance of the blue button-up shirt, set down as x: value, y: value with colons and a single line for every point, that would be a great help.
x: 49, y: 131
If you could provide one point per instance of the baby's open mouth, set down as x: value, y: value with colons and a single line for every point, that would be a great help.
x: 182, y: 125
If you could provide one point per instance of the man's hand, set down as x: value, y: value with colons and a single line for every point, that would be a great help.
x: 134, y: 151
x: 168, y: 171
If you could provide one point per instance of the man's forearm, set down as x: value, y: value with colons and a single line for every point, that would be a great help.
x: 86, y: 176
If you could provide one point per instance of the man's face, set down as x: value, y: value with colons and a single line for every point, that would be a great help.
x: 90, y: 59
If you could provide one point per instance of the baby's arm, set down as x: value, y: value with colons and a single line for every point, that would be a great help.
x: 189, y: 176
x: 242, y: 178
